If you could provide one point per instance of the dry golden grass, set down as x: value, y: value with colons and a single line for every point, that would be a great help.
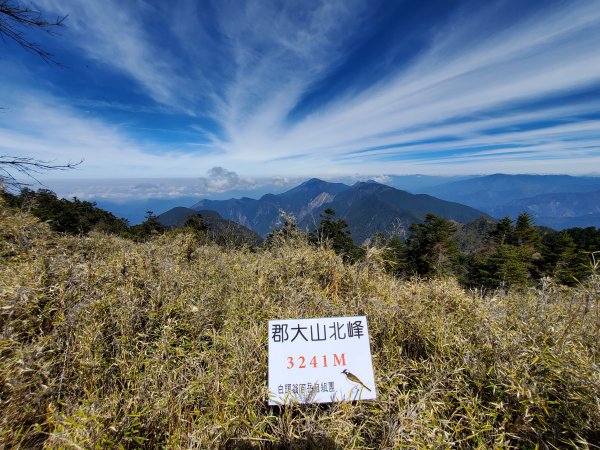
x: 109, y: 343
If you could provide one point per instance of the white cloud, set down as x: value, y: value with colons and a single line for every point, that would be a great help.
x: 40, y: 126
x: 546, y: 54
x: 250, y: 71
x: 276, y: 54
x: 112, y: 33
x: 218, y: 181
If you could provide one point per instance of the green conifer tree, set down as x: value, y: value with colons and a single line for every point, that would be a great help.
x: 336, y: 234
x: 431, y: 249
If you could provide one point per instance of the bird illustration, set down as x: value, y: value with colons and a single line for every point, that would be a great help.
x: 350, y: 376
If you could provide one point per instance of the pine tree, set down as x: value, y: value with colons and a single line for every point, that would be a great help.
x: 431, y: 249
x: 148, y: 228
x: 336, y: 234
x: 525, y: 233
x: 509, y: 265
x: 396, y: 256
x: 563, y: 260
x: 197, y: 223
x: 510, y: 255
x: 503, y: 232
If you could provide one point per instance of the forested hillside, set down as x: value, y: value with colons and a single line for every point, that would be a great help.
x: 108, y: 342
x: 80, y: 217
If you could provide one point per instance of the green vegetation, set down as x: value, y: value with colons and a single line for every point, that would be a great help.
x: 111, y: 343
x: 523, y: 254
x: 147, y: 229
x: 481, y: 254
x: 74, y: 217
x: 335, y: 234
x: 80, y: 217
x: 431, y: 250
x: 503, y: 255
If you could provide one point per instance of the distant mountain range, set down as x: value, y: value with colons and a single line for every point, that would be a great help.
x: 367, y: 207
x: 263, y: 215
x: 556, y: 201
x: 559, y: 210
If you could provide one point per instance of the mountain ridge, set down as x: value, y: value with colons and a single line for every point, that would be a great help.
x: 368, y: 207
x: 558, y: 201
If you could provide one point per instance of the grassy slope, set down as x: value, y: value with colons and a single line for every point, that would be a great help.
x: 108, y: 343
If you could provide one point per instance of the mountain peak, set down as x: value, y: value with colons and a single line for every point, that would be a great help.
x: 312, y: 182
x: 313, y: 187
x: 370, y: 185
x: 369, y: 181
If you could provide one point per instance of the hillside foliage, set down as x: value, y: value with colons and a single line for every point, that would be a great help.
x: 112, y: 343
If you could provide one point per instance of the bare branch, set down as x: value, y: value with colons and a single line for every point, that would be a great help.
x: 12, y: 166
x: 15, y: 17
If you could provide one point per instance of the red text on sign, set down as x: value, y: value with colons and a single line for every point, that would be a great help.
x: 302, y: 362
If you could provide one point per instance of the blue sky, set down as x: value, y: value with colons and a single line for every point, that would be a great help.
x: 284, y: 90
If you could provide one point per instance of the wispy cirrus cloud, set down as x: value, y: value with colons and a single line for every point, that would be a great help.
x: 465, y: 81
x: 472, y: 76
x: 43, y: 127
x: 506, y: 87
x: 114, y: 34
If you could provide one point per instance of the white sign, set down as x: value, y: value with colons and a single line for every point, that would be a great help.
x: 320, y: 360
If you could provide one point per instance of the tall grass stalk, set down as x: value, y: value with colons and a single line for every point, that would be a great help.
x: 109, y: 343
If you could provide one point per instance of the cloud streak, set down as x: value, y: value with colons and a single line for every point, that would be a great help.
x: 487, y: 89
x: 489, y: 78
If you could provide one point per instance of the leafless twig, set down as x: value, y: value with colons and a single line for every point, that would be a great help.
x: 11, y: 166
x: 16, y: 17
